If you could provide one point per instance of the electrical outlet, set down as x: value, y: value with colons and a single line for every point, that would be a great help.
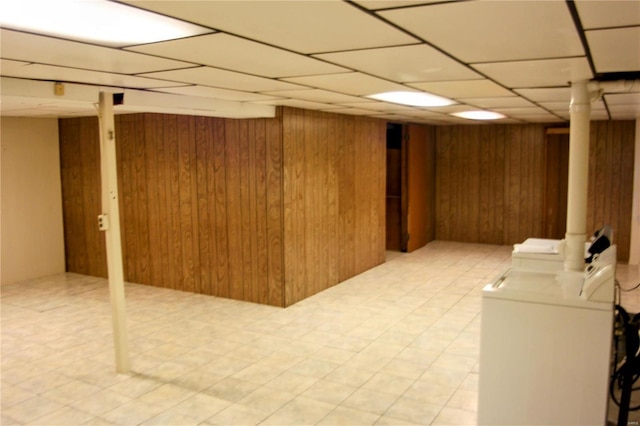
x: 103, y: 222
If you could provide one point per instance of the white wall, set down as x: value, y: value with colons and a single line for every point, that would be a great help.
x: 31, y: 231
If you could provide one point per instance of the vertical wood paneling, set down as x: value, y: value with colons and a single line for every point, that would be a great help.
x: 333, y: 204
x: 612, y: 145
x: 201, y: 203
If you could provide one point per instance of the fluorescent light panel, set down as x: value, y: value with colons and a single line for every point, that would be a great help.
x: 478, y: 115
x: 97, y: 21
x: 417, y: 99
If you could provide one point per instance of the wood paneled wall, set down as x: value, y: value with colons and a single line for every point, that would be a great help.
x: 490, y: 182
x: 253, y: 210
x: 610, y: 199
x: 200, y: 202
x: 421, y: 176
x: 334, y: 199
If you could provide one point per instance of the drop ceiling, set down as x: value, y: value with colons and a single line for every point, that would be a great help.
x: 514, y: 57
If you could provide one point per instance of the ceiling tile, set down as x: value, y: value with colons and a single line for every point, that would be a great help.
x: 622, y: 98
x: 238, y: 54
x: 487, y: 31
x: 520, y: 112
x: 625, y: 111
x: 212, y: 92
x: 50, y: 51
x: 387, y: 4
x: 355, y: 111
x: 318, y: 95
x: 543, y: 118
x: 547, y: 94
x: 501, y: 102
x: 207, y: 76
x: 353, y: 83
x: 608, y: 13
x: 615, y: 50
x: 539, y: 73
x: 302, y: 26
x: 404, y: 63
x: 49, y: 72
x: 464, y: 89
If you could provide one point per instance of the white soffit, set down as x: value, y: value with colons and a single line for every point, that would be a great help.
x: 215, y: 93
x: 539, y: 73
x: 207, y: 76
x: 318, y: 95
x: 55, y: 73
x: 353, y: 83
x: 488, y: 31
x: 404, y: 63
x: 45, y: 50
x: 84, y: 97
x: 238, y: 54
x: 301, y: 26
x: 615, y: 50
x: 464, y: 89
x: 608, y: 13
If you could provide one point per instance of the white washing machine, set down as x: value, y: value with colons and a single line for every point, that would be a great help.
x: 545, y: 348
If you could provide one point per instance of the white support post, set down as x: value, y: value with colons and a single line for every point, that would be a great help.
x: 576, y: 235
x: 109, y: 222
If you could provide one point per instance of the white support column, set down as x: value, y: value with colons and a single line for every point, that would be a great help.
x: 109, y: 222
x: 576, y: 235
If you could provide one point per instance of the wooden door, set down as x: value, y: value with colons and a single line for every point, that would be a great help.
x: 394, y: 199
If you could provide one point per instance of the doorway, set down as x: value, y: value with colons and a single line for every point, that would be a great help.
x: 556, y: 183
x: 396, y: 158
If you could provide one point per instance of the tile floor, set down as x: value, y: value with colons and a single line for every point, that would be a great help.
x: 395, y: 345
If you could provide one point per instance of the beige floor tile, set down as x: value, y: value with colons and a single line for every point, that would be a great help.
x: 237, y: 414
x: 100, y: 402
x: 201, y: 406
x: 231, y: 389
x: 328, y: 391
x: 300, y: 411
x: 413, y: 411
x: 132, y: 412
x: 370, y: 401
x: 11, y: 395
x: 464, y: 400
x: 135, y: 386
x: 166, y: 395
x: 350, y: 376
x: 267, y: 400
x: 71, y: 391
x: 389, y: 383
x: 64, y: 416
x: 348, y: 417
x: 452, y: 416
x: 292, y: 382
x: 31, y: 409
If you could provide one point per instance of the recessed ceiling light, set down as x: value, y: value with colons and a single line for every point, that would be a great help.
x: 418, y: 99
x: 97, y: 21
x: 478, y: 115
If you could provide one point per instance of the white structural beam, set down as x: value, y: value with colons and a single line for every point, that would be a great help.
x: 580, y: 111
x: 109, y: 221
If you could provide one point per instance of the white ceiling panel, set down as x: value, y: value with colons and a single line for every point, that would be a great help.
x: 543, y: 118
x: 464, y: 89
x: 539, y: 73
x: 238, y: 54
x: 624, y: 112
x: 404, y: 63
x: 356, y: 111
x: 302, y: 26
x: 353, y: 83
x: 608, y: 13
x: 545, y: 94
x: 318, y: 95
x: 563, y: 107
x: 615, y: 50
x: 519, y: 112
x: 62, y: 74
x: 501, y: 102
x: 50, y: 51
x: 487, y: 31
x: 387, y: 4
x: 622, y: 98
x: 212, y: 92
x: 207, y: 76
